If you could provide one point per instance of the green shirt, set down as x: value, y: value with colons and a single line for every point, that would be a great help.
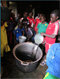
x: 42, y: 27
x: 50, y: 76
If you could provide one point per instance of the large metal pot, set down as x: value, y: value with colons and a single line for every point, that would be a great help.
x: 28, y: 56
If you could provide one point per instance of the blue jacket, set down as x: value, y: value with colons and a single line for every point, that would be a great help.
x: 53, y: 60
x: 18, y: 32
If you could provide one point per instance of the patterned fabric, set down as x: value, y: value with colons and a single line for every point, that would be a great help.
x: 49, y: 76
x: 42, y: 27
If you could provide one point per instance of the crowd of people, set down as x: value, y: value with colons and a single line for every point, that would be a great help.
x: 28, y: 26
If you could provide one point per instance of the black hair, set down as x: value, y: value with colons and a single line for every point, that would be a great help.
x: 24, y: 22
x: 56, y: 12
x: 25, y: 12
x: 43, y: 15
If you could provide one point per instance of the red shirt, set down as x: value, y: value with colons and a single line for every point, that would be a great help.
x: 31, y: 20
x: 37, y: 21
x: 52, y: 29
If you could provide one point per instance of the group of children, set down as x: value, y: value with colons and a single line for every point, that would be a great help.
x: 28, y: 26
x: 32, y: 26
x: 39, y: 25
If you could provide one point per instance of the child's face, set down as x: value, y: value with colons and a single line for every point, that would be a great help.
x: 42, y: 19
x: 30, y: 14
x: 25, y: 14
x: 53, y: 18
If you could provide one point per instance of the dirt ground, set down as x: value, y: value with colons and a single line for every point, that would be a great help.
x: 11, y: 70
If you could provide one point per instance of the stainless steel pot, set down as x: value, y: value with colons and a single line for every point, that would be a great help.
x: 28, y: 56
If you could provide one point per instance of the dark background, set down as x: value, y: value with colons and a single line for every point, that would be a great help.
x: 40, y: 6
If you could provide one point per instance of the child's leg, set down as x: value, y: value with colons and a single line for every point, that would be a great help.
x: 47, y: 46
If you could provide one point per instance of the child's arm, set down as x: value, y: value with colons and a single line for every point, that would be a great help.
x: 51, y: 36
x: 55, y: 32
x: 23, y: 33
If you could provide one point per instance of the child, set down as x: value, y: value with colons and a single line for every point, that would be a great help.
x: 37, y: 21
x: 51, y: 31
x: 24, y: 16
x: 28, y: 32
x: 9, y: 29
x: 19, y: 31
x: 53, y: 62
x: 31, y: 20
x: 43, y: 25
x: 58, y: 36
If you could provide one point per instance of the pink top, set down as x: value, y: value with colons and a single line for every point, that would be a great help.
x: 52, y: 29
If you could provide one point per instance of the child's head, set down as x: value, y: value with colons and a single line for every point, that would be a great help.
x: 40, y: 15
x: 30, y: 14
x: 25, y: 22
x: 54, y: 16
x: 43, y: 18
x: 25, y: 14
x: 53, y: 60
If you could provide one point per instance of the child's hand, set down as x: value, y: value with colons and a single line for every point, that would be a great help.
x: 36, y: 32
x: 43, y: 34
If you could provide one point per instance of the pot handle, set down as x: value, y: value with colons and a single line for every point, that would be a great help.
x: 35, y: 50
x: 25, y: 63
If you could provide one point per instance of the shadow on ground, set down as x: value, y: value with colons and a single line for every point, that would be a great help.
x: 11, y: 70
